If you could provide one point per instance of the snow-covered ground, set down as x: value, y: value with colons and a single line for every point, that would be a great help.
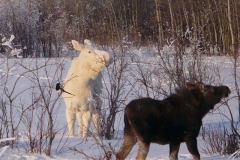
x: 22, y: 75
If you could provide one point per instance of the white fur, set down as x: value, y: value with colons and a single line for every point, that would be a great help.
x: 84, y: 81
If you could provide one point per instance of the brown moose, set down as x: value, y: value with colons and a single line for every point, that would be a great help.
x: 176, y: 119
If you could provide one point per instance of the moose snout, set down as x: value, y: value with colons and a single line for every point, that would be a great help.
x: 107, y: 63
x: 227, y: 92
x: 107, y: 60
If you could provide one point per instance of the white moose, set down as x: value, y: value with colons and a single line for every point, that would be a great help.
x: 83, y: 85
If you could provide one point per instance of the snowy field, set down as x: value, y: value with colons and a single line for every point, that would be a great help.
x: 21, y: 78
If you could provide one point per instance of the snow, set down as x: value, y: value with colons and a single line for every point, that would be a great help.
x: 2, y: 56
x: 8, y: 42
x: 54, y: 70
x: 7, y: 139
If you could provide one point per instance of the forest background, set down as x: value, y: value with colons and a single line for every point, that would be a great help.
x: 44, y: 27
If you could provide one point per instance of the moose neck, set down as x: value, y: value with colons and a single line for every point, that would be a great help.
x: 94, y: 72
x: 208, y: 104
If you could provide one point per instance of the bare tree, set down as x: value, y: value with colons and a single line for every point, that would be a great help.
x: 116, y: 92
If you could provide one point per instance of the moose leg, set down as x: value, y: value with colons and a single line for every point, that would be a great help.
x: 80, y: 123
x: 174, y: 148
x: 192, y: 147
x: 95, y: 117
x: 71, y: 118
x: 86, y: 121
x: 143, y: 148
x: 128, y: 142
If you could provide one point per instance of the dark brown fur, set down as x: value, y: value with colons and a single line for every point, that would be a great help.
x: 176, y: 119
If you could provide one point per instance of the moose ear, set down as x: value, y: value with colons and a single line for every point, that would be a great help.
x: 191, y: 85
x: 201, y: 86
x: 87, y: 42
x: 77, y: 46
